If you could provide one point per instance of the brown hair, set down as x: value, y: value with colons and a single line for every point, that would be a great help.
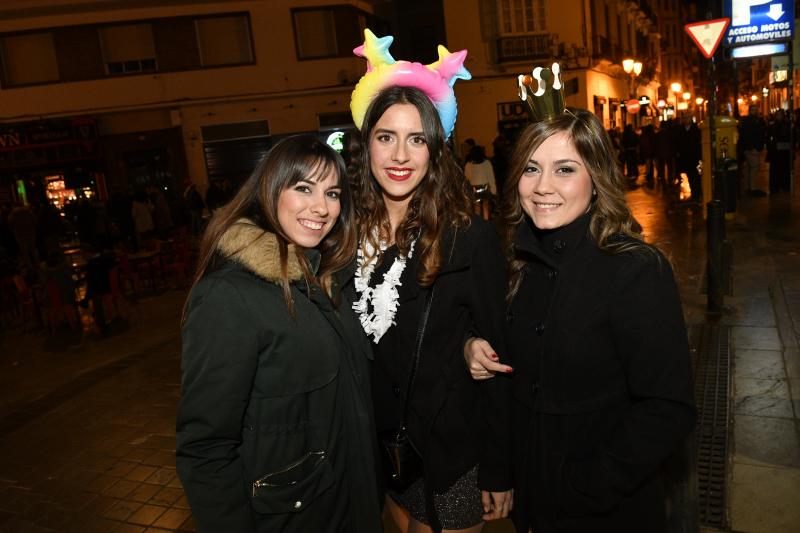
x: 292, y: 159
x: 610, y: 216
x: 441, y: 201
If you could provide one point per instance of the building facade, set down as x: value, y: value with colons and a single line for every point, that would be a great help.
x: 589, y: 38
x: 160, y: 92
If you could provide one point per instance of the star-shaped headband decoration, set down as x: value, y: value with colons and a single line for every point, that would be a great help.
x: 435, y: 80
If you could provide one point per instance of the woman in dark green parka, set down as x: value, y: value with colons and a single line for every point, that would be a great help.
x: 275, y: 431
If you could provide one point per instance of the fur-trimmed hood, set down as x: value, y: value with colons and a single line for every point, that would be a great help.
x: 257, y: 251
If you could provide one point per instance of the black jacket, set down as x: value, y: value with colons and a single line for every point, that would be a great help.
x: 602, y: 384
x: 455, y: 421
x: 273, y: 398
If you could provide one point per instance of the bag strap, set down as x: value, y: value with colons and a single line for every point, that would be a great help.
x: 423, y: 322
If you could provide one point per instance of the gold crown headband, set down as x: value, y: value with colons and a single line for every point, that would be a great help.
x: 542, y: 91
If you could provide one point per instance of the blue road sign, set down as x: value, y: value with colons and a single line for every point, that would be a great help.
x: 759, y: 21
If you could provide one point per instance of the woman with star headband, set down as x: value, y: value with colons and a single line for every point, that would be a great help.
x: 420, y: 246
x: 603, y: 391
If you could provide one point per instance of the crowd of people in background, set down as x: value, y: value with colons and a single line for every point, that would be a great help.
x: 35, y: 235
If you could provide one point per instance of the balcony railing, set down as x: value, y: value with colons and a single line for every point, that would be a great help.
x: 524, y: 47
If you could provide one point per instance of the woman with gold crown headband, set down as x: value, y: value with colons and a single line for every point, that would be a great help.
x: 428, y: 274
x: 603, y: 390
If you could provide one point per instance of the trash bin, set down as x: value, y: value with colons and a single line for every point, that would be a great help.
x: 727, y: 137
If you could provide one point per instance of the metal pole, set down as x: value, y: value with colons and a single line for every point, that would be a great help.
x: 790, y: 46
x: 715, y: 228
x: 712, y: 130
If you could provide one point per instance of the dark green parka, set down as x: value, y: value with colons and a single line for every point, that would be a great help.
x: 275, y: 431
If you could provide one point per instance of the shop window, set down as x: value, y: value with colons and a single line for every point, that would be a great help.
x: 521, y: 16
x: 224, y: 40
x: 128, y: 48
x: 315, y: 33
x: 29, y: 59
x: 331, y: 31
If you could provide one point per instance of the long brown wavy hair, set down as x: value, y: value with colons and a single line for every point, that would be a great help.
x: 441, y: 201
x: 289, y: 161
x: 610, y: 217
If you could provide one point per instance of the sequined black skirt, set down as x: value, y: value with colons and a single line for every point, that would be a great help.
x: 459, y: 507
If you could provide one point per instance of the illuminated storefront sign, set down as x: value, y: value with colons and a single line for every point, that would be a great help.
x: 758, y: 21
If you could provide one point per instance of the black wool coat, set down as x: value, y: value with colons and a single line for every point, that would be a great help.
x: 275, y: 429
x: 602, y: 384
x: 455, y: 421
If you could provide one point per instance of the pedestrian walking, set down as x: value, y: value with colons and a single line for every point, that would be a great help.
x: 779, y: 153
x: 195, y: 205
x: 141, y: 213
x: 752, y: 136
x: 630, y: 152
x: 602, y: 375
x: 689, y: 153
x: 647, y: 152
x: 22, y: 222
x: 428, y: 273
x: 480, y: 174
x: 274, y: 430
x: 665, y: 153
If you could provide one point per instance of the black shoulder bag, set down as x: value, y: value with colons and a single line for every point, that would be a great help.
x: 401, y: 460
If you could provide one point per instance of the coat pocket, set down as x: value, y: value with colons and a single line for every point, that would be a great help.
x: 292, y: 488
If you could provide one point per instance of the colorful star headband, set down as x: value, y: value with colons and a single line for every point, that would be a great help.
x: 435, y: 80
x: 542, y: 91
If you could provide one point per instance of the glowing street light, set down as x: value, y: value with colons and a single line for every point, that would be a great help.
x: 633, y: 68
x: 676, y: 88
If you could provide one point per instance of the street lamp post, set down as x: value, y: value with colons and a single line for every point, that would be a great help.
x: 632, y: 68
x: 676, y: 88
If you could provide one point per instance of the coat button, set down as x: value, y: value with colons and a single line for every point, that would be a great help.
x: 535, y: 389
x: 552, y: 274
x: 396, y: 389
x: 559, y: 245
x: 298, y: 504
x: 540, y: 328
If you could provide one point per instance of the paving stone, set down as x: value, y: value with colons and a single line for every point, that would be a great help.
x: 172, y: 519
x: 162, y: 476
x: 144, y: 492
x: 759, y: 364
x: 766, y: 441
x: 764, y: 499
x: 146, y: 514
x: 121, y: 510
x: 762, y: 397
x: 141, y: 472
x: 121, y: 489
x: 166, y: 496
x: 756, y: 338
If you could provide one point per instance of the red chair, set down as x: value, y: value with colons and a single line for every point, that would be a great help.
x: 177, y: 264
x: 127, y: 275
x: 57, y: 310
x: 9, y: 301
x: 115, y: 294
x: 27, y: 300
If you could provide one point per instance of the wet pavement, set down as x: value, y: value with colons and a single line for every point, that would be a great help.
x: 87, y: 421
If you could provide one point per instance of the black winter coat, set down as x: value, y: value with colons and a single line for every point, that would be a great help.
x: 455, y: 421
x: 275, y: 429
x: 602, y: 384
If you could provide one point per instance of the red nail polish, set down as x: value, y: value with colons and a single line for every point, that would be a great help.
x: 509, y: 370
x: 494, y: 357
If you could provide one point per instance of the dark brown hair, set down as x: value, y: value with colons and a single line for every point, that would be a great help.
x: 441, y: 201
x: 610, y: 216
x: 300, y: 157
